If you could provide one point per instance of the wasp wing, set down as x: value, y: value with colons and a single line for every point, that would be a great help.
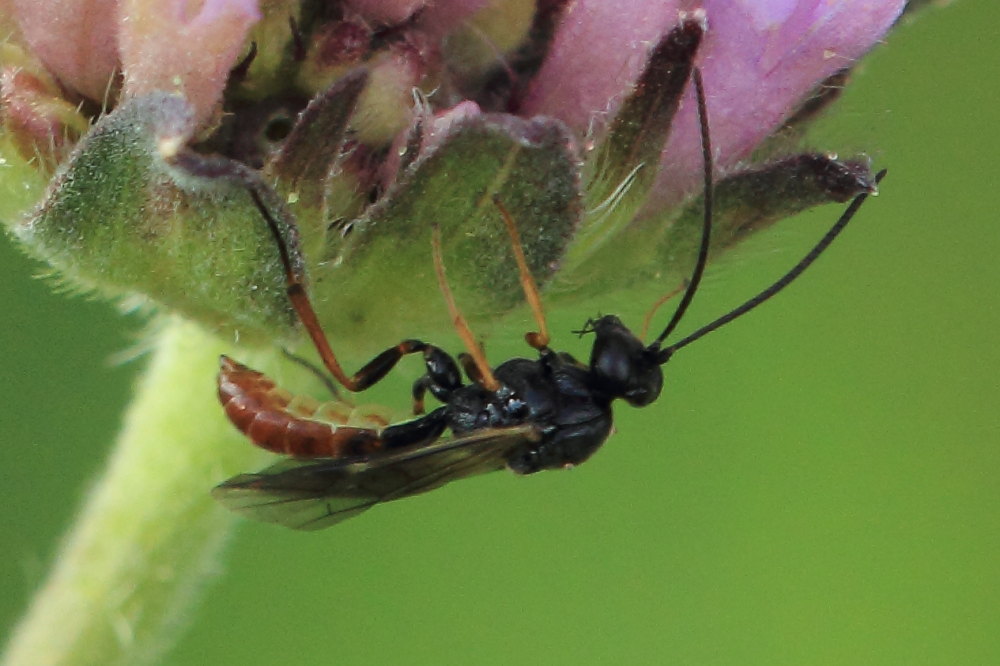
x: 313, y: 494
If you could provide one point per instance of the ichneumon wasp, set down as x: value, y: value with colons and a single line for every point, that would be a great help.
x: 525, y: 414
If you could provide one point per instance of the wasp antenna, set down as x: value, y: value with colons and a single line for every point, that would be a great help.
x: 540, y: 339
x: 783, y: 282
x: 706, y: 227
x: 300, y: 300
x: 487, y: 379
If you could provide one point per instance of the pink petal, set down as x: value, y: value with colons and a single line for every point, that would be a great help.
x: 435, y: 17
x: 168, y: 45
x: 598, y: 51
x: 36, y: 118
x: 75, y: 39
x: 386, y: 105
x: 443, y: 16
x: 386, y: 12
x: 759, y: 60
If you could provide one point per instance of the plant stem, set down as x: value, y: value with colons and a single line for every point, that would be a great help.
x: 149, y: 536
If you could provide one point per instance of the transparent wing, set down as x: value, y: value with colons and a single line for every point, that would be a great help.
x: 313, y: 494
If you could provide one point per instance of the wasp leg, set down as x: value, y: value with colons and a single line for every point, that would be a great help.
x: 419, y: 390
x: 441, y: 379
x: 375, y: 369
x: 538, y: 339
x: 487, y: 380
x: 417, y: 432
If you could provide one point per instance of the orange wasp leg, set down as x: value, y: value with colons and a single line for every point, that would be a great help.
x: 482, y: 375
x: 540, y: 339
x: 371, y: 372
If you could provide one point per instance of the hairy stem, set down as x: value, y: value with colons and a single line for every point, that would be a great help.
x: 148, y: 536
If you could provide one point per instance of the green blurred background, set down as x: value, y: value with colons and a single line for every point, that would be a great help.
x: 818, y: 484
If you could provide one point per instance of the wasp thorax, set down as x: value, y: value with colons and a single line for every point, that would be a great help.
x: 622, y: 365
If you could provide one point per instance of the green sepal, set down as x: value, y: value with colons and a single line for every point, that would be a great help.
x: 380, y: 277
x: 663, y: 250
x: 751, y: 200
x: 623, y: 166
x: 133, y: 213
x: 303, y: 170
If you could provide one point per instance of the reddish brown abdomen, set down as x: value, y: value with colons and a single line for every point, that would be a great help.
x: 260, y: 410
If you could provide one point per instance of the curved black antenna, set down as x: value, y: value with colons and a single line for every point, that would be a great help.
x: 783, y: 282
x: 706, y: 227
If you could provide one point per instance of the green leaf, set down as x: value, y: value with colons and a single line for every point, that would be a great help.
x: 132, y: 213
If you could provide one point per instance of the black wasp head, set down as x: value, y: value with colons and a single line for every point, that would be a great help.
x: 622, y: 366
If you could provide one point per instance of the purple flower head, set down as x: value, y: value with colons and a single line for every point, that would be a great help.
x: 386, y: 12
x: 575, y: 61
x: 154, y: 44
x: 75, y: 39
x: 171, y: 45
x: 581, y: 112
x: 760, y: 60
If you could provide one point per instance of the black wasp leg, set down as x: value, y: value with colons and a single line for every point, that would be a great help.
x: 417, y: 432
x: 377, y: 368
x: 552, y: 361
x: 441, y: 380
x: 419, y: 390
x: 442, y: 371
